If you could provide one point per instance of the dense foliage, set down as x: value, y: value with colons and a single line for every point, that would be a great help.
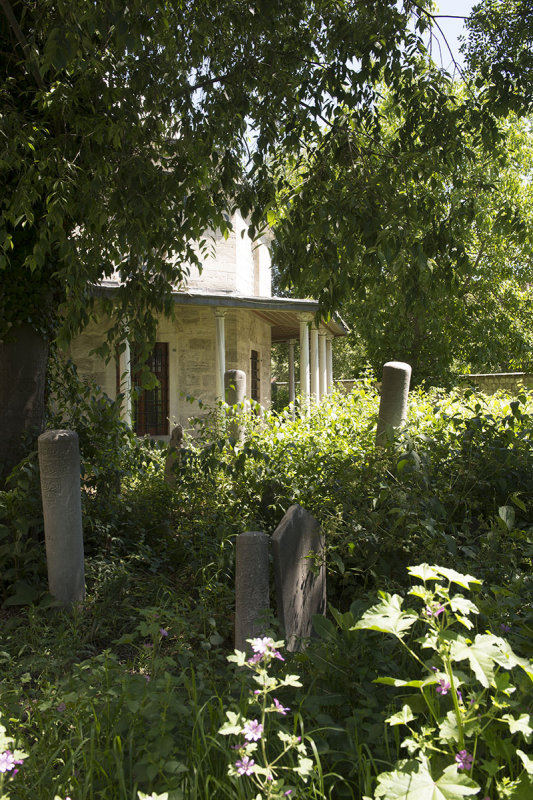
x: 130, y: 691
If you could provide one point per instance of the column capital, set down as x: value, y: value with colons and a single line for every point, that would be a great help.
x: 220, y: 312
x: 305, y: 316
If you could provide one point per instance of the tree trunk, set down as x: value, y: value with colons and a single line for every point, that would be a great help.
x: 23, y: 363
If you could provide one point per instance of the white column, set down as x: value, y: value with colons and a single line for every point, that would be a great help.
x: 304, y: 360
x: 315, y: 381
x: 329, y: 361
x: 220, y: 354
x: 292, y: 392
x: 124, y: 366
x: 322, y: 363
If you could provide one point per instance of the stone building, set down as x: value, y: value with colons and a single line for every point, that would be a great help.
x: 226, y: 318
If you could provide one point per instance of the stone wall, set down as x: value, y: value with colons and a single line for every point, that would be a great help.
x: 233, y: 265
x: 191, y: 338
x: 489, y: 383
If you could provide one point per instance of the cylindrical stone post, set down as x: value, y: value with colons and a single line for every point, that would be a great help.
x: 235, y: 392
x: 59, y: 463
x: 394, y: 393
x: 252, y: 596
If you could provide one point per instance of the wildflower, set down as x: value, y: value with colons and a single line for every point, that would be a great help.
x: 61, y: 707
x: 505, y: 628
x: 245, y: 765
x: 262, y: 645
x: 464, y: 760
x: 252, y: 730
x: 148, y: 645
x: 163, y: 632
x: 281, y: 709
x: 255, y: 659
x: 147, y: 678
x: 7, y: 762
x: 443, y: 686
x: 434, y: 612
x: 459, y: 695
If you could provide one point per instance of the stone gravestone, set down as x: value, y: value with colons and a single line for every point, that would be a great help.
x: 59, y: 463
x: 300, y: 589
x: 252, y: 596
x: 394, y: 394
x: 173, y: 455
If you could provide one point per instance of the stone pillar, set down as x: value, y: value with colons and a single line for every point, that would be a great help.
x: 315, y: 375
x: 329, y: 362
x: 322, y: 364
x: 394, y: 393
x: 292, y: 386
x: 59, y: 464
x: 304, y: 360
x: 252, y: 596
x: 220, y: 314
x: 235, y: 393
x: 125, y: 382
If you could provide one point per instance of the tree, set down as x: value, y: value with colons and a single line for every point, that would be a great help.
x: 416, y: 229
x: 499, y: 51
x: 128, y: 130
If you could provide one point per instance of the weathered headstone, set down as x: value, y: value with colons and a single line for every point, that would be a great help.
x: 252, y: 597
x: 173, y: 455
x: 394, y: 394
x: 59, y: 463
x: 300, y: 578
x: 235, y: 392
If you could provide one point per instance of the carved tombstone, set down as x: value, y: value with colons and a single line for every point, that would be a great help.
x: 252, y: 596
x: 300, y: 577
x: 174, y: 455
x: 59, y: 463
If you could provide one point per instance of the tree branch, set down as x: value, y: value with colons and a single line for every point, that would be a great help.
x: 26, y: 49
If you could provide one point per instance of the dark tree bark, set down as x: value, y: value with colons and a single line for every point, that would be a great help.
x: 23, y: 363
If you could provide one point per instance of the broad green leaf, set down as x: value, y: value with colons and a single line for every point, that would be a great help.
x: 424, y: 572
x: 387, y: 617
x: 526, y: 761
x: 482, y: 654
x: 402, y: 717
x: 520, y: 725
x: 413, y: 781
x: 399, y: 682
x: 462, y: 605
x: 457, y: 577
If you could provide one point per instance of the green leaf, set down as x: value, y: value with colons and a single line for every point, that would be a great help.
x: 507, y: 514
x: 387, y: 617
x: 526, y: 761
x: 413, y: 781
x: 520, y: 725
x: 402, y: 717
x: 324, y: 627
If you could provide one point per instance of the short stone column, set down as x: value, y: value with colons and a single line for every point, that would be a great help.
x: 59, y: 463
x: 394, y: 393
x: 252, y: 597
x: 235, y: 392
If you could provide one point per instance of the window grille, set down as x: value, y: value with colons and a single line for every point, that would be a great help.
x: 255, y: 390
x: 150, y: 406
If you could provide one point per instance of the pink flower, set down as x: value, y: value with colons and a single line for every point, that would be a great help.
x: 7, y: 762
x: 252, y: 730
x: 163, y: 632
x: 61, y: 707
x: 443, y: 686
x: 262, y: 645
x: 281, y: 709
x: 464, y: 760
x: 245, y: 765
